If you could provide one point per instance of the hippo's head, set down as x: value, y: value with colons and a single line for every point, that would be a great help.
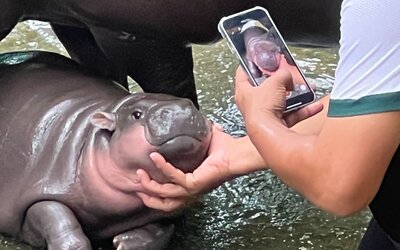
x: 144, y: 123
x: 264, y: 53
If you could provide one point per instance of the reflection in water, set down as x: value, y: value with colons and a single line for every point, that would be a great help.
x: 251, y: 212
x: 31, y: 35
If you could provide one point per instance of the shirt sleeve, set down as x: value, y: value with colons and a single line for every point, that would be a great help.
x: 367, y: 78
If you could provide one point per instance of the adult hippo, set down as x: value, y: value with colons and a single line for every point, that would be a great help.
x: 148, y: 39
x: 70, y: 147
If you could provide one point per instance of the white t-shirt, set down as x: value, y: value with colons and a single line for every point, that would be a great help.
x: 368, y: 74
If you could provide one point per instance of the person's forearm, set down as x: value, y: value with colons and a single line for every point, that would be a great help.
x: 244, y: 157
x: 290, y: 155
x: 272, y: 142
x: 296, y: 159
x: 332, y: 167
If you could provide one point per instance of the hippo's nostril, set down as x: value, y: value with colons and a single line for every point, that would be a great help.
x: 167, y: 121
x: 192, y: 120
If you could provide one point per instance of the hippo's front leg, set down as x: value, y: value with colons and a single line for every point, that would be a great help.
x: 10, y: 11
x: 151, y: 236
x: 165, y: 67
x: 158, y: 65
x: 82, y: 48
x: 54, y: 224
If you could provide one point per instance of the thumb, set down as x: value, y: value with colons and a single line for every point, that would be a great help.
x: 297, y: 116
x: 282, y: 78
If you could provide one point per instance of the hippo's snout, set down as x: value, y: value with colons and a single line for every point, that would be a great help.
x: 264, y: 53
x: 180, y: 132
x: 166, y: 122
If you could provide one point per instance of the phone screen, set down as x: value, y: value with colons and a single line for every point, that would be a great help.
x: 253, y: 36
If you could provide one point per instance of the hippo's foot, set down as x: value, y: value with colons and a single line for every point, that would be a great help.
x: 55, y: 225
x: 152, y: 237
x: 71, y: 241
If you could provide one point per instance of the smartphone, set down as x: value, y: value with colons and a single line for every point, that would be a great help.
x: 253, y: 37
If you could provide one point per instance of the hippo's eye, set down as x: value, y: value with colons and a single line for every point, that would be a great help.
x: 137, y: 114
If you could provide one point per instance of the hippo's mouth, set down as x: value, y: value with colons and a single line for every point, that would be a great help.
x: 180, y: 133
x: 184, y: 142
x: 186, y: 151
x: 176, y: 128
x: 180, y: 143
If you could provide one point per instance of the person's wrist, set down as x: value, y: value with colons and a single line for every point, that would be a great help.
x: 253, y: 114
x: 265, y: 130
x: 261, y: 118
x: 244, y: 158
x: 231, y: 158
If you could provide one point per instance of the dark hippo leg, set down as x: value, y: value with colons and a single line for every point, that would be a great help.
x: 55, y: 224
x: 152, y: 236
x: 169, y: 65
x: 82, y: 47
x: 157, y: 65
x: 10, y: 12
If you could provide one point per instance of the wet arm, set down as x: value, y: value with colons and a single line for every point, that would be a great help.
x: 341, y: 168
x: 244, y: 156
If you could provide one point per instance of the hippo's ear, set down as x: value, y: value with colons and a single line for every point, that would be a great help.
x: 103, y: 120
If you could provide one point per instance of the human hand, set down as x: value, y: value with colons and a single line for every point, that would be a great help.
x: 269, y: 99
x: 184, y: 187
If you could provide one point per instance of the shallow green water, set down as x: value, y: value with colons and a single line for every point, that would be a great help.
x: 251, y: 212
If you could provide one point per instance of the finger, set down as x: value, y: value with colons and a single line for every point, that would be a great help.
x: 242, y: 82
x: 241, y: 75
x: 166, y: 205
x: 173, y: 174
x: 313, y: 86
x: 243, y: 87
x: 280, y: 78
x: 303, y: 113
x: 217, y: 126
x: 162, y: 190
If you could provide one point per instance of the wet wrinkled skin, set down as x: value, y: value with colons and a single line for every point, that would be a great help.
x: 149, y: 39
x: 70, y: 147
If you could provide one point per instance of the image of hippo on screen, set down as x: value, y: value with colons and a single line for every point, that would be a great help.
x: 70, y: 147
